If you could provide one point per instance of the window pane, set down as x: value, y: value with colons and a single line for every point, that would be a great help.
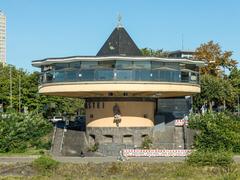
x: 59, y: 75
x: 142, y: 64
x: 184, y: 76
x: 71, y: 75
x: 144, y: 75
x: 172, y: 65
x: 89, y: 64
x: 157, y: 65
x: 106, y: 64
x: 49, y: 76
x: 86, y: 75
x: 74, y: 65
x: 191, y: 67
x: 104, y: 75
x: 61, y: 66
x: 124, y: 75
x: 124, y: 64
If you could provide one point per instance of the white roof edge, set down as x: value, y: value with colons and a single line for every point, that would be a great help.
x: 38, y: 63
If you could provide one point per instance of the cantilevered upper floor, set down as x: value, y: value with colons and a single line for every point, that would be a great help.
x: 118, y: 69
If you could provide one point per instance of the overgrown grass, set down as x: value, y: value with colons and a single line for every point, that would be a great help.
x: 28, y: 152
x: 210, y: 158
x: 130, y: 170
x: 45, y: 164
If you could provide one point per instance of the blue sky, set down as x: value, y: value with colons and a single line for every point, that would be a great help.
x: 53, y: 28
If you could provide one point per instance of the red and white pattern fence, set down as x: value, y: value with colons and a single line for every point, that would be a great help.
x: 156, y: 152
x: 181, y: 122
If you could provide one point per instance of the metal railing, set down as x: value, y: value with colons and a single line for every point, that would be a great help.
x: 119, y: 75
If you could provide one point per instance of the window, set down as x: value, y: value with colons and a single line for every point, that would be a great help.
x: 104, y: 75
x: 124, y: 65
x: 191, y: 67
x: 49, y: 76
x: 166, y: 75
x: 157, y: 64
x: 71, y: 75
x: 143, y: 75
x: 124, y: 75
x: 98, y: 105
x: 142, y: 64
x: 74, y: 65
x: 86, y: 75
x: 184, y: 76
x: 59, y: 75
x: 165, y: 65
x: 89, y: 64
x: 106, y: 64
x: 110, y: 94
x: 61, y: 66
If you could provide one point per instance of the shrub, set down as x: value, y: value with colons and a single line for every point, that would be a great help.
x: 94, y: 148
x: 147, y: 142
x: 210, y: 158
x: 216, y: 132
x: 45, y: 164
x: 19, y: 131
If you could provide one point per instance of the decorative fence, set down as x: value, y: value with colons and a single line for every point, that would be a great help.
x: 181, y: 122
x: 155, y: 152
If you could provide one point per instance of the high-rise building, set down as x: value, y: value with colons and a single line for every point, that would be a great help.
x: 2, y: 38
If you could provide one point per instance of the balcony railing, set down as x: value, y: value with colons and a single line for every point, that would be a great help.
x: 119, y: 75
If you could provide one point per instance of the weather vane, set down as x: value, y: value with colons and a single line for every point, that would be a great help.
x: 119, y: 24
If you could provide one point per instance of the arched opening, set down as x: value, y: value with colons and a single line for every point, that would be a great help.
x: 92, y: 139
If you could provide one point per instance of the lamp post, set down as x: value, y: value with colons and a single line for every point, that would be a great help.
x: 10, y: 86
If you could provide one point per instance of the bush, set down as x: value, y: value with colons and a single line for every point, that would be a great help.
x: 216, y: 132
x: 147, y: 143
x: 19, y: 131
x: 210, y: 158
x: 45, y: 164
x: 94, y: 148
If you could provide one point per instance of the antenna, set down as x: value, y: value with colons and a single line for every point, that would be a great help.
x: 119, y: 20
x: 182, y: 41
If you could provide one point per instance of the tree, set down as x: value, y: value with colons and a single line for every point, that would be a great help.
x: 214, y: 90
x: 155, y: 53
x: 25, y: 89
x: 217, y: 60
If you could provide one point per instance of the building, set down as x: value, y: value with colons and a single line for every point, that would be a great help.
x: 128, y: 96
x: 182, y: 54
x: 2, y: 38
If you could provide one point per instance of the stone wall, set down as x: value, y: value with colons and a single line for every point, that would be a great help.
x: 122, y: 135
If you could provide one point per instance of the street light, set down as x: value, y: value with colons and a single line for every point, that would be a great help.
x: 10, y: 85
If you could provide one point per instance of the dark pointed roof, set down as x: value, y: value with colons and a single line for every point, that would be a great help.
x: 119, y: 43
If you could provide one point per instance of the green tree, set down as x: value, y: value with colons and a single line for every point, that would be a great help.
x: 214, y: 90
x: 155, y: 53
x: 25, y: 89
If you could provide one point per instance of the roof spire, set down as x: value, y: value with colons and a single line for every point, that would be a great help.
x: 119, y: 23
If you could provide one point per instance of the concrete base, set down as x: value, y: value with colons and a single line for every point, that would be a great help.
x: 112, y: 140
